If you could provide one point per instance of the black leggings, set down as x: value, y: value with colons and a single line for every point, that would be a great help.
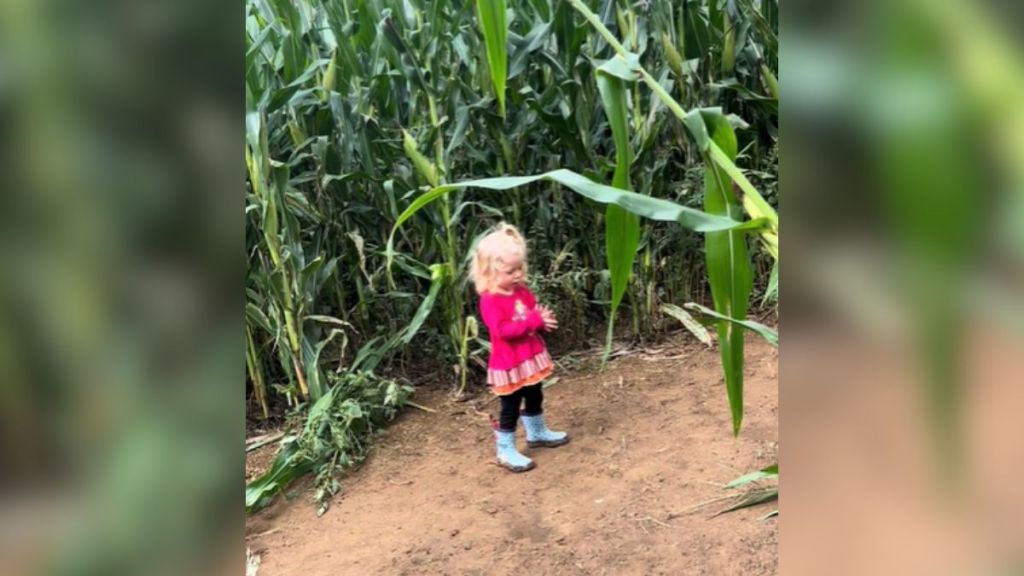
x: 533, y: 396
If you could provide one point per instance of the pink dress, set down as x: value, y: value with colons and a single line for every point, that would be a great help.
x: 518, y: 354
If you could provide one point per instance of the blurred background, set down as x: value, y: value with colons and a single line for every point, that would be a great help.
x: 120, y: 300
x: 121, y: 412
x: 900, y: 363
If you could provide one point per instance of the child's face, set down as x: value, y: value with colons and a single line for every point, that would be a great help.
x: 509, y: 270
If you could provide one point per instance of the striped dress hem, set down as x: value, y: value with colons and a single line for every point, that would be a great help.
x: 530, y: 371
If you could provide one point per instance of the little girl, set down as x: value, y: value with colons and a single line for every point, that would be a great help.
x: 519, y: 359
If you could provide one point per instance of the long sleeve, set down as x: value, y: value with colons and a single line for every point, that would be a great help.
x: 501, y: 324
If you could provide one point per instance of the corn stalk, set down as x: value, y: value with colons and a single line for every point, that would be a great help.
x: 269, y: 195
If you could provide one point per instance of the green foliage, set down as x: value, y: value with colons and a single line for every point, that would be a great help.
x: 766, y: 472
x: 622, y: 228
x: 771, y: 336
x: 695, y: 327
x: 728, y: 264
x: 755, y: 492
x: 336, y: 436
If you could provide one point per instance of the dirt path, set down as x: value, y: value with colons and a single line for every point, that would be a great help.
x: 651, y: 438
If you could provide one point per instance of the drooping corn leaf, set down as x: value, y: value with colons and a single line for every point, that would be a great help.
x: 765, y: 332
x: 691, y: 324
x: 728, y: 264
x: 646, y: 206
x: 288, y: 465
x: 622, y: 228
x: 438, y: 277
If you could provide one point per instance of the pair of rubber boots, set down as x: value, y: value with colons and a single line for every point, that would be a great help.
x: 537, y: 434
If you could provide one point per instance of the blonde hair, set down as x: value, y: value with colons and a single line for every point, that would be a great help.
x: 503, y: 239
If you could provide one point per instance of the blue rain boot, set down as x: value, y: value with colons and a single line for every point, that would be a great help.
x: 508, y: 456
x: 538, y: 434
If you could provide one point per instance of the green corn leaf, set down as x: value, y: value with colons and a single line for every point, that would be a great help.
x: 646, y: 206
x: 688, y: 321
x: 765, y: 332
x: 767, y: 472
x: 753, y: 202
x: 256, y: 316
x: 728, y: 263
x: 312, y: 356
x: 613, y: 96
x: 623, y: 67
x: 438, y: 276
x: 622, y: 228
x: 365, y: 354
x: 694, y: 122
x: 523, y: 51
x: 493, y: 22
x: 288, y: 465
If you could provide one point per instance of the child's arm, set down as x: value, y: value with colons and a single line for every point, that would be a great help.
x: 498, y: 322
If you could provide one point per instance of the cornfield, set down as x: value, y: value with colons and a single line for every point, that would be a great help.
x: 383, y: 137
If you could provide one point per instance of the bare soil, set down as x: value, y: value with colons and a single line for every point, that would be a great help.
x: 634, y: 492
